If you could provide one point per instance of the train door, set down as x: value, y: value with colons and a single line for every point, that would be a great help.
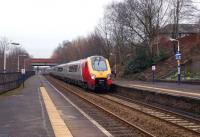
x: 85, y: 72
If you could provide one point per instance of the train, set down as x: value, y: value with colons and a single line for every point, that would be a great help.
x: 93, y: 72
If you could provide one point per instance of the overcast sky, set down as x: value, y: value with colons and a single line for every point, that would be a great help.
x: 39, y: 25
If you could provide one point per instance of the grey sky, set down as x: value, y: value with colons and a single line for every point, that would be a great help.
x: 39, y: 25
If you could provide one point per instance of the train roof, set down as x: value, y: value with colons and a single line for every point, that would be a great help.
x: 77, y: 61
x: 72, y: 62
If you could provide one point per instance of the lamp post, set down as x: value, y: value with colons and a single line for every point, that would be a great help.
x: 4, y: 56
x: 178, y: 58
x: 18, y: 61
x: 115, y: 64
x: 23, y: 71
x: 4, y: 59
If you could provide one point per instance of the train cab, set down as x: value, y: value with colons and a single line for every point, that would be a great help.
x: 97, y: 72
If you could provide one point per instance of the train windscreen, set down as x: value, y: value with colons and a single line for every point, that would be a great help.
x: 99, y: 64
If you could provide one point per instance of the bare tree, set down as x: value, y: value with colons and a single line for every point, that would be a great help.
x: 145, y: 17
x: 12, y: 53
x: 4, y: 46
x: 80, y: 48
x: 135, y: 22
x: 181, y: 11
x: 125, y: 27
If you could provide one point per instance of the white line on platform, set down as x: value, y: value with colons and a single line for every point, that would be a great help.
x: 107, y: 133
x: 168, y: 90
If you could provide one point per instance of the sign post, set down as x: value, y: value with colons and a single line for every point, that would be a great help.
x: 153, y: 70
x: 178, y: 58
x: 23, y: 72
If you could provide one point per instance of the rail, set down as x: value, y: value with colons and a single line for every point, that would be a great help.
x: 12, y: 80
x: 187, y: 125
x: 180, y: 120
x: 77, y: 91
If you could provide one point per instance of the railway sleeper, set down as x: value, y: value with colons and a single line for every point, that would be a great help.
x: 167, y: 117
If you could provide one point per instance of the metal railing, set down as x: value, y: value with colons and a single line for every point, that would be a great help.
x: 12, y: 80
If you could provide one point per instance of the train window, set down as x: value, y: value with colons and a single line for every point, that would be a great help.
x: 60, y: 69
x: 99, y: 64
x: 73, y: 68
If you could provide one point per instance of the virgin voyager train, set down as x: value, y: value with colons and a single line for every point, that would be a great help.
x: 93, y: 72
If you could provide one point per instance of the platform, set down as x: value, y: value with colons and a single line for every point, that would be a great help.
x: 187, y: 90
x: 23, y: 113
x: 182, y: 98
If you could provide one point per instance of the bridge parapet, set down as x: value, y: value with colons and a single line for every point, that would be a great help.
x: 43, y: 62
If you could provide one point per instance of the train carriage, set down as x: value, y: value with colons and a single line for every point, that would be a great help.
x: 93, y: 72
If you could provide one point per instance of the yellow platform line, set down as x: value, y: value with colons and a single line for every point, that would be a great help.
x: 57, y: 123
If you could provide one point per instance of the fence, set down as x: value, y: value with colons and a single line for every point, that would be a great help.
x: 12, y: 80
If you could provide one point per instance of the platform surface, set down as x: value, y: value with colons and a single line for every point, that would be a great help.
x: 174, y: 88
x: 23, y: 113
x: 78, y: 124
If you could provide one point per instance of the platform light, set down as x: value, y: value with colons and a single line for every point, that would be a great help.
x: 4, y: 55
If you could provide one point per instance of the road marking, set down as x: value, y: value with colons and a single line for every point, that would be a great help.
x: 102, y: 129
x: 57, y: 123
x: 168, y: 90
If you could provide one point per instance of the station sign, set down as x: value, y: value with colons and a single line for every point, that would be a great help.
x: 178, y: 56
x: 23, y: 71
x: 153, y: 67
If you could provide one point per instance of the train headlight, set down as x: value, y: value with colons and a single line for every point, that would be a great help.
x: 93, y: 76
x: 109, y: 76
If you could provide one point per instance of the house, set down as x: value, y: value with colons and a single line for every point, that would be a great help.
x: 183, y: 30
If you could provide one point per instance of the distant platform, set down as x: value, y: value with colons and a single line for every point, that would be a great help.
x: 186, y: 90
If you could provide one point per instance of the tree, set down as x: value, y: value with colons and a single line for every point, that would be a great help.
x: 80, y: 48
x: 12, y: 53
x: 145, y: 17
x: 181, y: 11
x: 133, y: 23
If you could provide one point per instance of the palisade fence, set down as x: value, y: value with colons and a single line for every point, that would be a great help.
x: 12, y: 80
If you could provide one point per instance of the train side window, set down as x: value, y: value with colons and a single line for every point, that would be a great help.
x: 60, y: 69
x: 73, y: 68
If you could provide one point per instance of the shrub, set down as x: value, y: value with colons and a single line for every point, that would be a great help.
x: 142, y: 62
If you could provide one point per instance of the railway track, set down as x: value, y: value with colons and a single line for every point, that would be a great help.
x: 117, y: 128
x: 177, y: 120
x: 183, y: 121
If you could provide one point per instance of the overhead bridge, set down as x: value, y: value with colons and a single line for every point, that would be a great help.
x: 43, y: 62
